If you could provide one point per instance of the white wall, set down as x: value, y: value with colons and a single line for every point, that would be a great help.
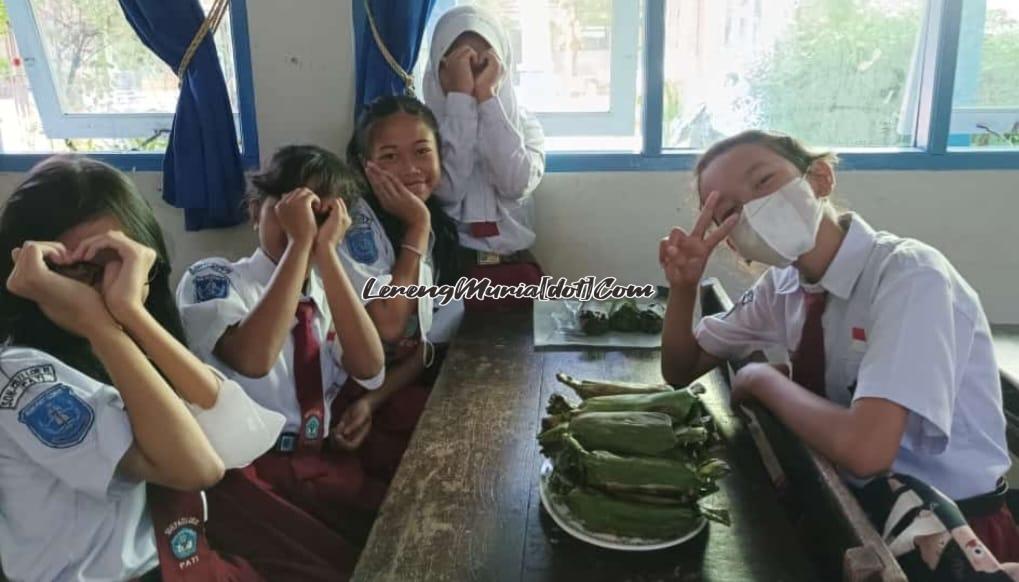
x: 604, y: 223
x: 609, y: 224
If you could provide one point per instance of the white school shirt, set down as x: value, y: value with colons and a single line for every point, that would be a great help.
x: 216, y: 294
x: 367, y: 253
x: 66, y: 514
x: 486, y: 157
x: 900, y: 324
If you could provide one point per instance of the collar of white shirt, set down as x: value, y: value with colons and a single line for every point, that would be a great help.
x: 845, y: 268
x: 262, y: 268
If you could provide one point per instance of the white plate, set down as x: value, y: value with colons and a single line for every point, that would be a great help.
x: 561, y: 515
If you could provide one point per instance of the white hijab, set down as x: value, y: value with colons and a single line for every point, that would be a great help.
x: 449, y: 27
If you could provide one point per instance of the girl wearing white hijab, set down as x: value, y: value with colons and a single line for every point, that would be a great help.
x: 492, y: 149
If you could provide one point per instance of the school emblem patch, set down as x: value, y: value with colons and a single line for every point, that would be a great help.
x: 58, y: 417
x: 184, y: 543
x: 361, y: 244
x: 208, y: 287
x: 312, y: 428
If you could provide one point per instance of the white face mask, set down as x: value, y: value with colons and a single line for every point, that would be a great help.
x: 779, y: 228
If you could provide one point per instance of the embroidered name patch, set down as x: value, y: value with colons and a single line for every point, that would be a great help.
x: 58, y: 417
x: 211, y: 266
x: 208, y: 287
x: 23, y: 380
x: 361, y: 245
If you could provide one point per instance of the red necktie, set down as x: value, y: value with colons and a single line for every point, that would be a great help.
x: 808, y: 359
x: 308, y: 378
x: 179, y: 520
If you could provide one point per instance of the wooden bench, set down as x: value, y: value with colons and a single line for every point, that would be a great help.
x: 464, y: 504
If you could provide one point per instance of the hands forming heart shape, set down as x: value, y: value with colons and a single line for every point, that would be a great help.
x: 106, y: 274
x: 464, y: 70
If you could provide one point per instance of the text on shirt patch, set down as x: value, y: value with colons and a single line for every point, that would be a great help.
x: 23, y: 380
x: 361, y: 242
x: 211, y: 266
x: 747, y: 297
x: 58, y: 417
x: 209, y: 287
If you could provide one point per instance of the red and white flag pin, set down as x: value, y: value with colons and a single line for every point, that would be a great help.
x: 859, y: 339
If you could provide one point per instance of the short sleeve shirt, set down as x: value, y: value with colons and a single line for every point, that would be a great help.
x: 900, y: 324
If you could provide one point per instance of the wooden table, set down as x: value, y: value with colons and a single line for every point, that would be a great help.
x: 464, y: 504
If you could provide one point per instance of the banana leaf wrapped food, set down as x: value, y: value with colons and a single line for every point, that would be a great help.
x: 594, y: 318
x: 635, y: 462
x: 682, y: 405
x: 624, y: 315
x: 652, y: 434
x: 604, y: 513
x: 637, y: 475
x: 637, y: 433
x: 651, y: 319
x: 592, y: 388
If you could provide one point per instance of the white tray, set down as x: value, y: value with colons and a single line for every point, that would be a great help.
x: 555, y: 325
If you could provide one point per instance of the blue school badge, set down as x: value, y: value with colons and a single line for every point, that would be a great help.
x: 311, y: 428
x: 361, y: 245
x: 209, y: 287
x: 184, y: 543
x: 58, y: 417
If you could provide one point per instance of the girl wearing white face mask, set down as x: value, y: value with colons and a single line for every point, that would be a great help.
x: 892, y: 366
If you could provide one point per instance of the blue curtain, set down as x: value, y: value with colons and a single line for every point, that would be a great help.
x: 202, y: 169
x: 401, y: 24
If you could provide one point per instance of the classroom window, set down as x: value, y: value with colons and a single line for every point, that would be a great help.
x: 577, y: 67
x: 646, y: 85
x: 831, y: 72
x: 75, y: 77
x: 985, y: 110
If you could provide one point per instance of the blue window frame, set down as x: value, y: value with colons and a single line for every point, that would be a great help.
x: 60, y: 123
x: 939, y: 129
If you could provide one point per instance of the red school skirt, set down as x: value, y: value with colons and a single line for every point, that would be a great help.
x: 331, y: 485
x: 993, y: 522
x: 276, y: 539
x: 392, y: 426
